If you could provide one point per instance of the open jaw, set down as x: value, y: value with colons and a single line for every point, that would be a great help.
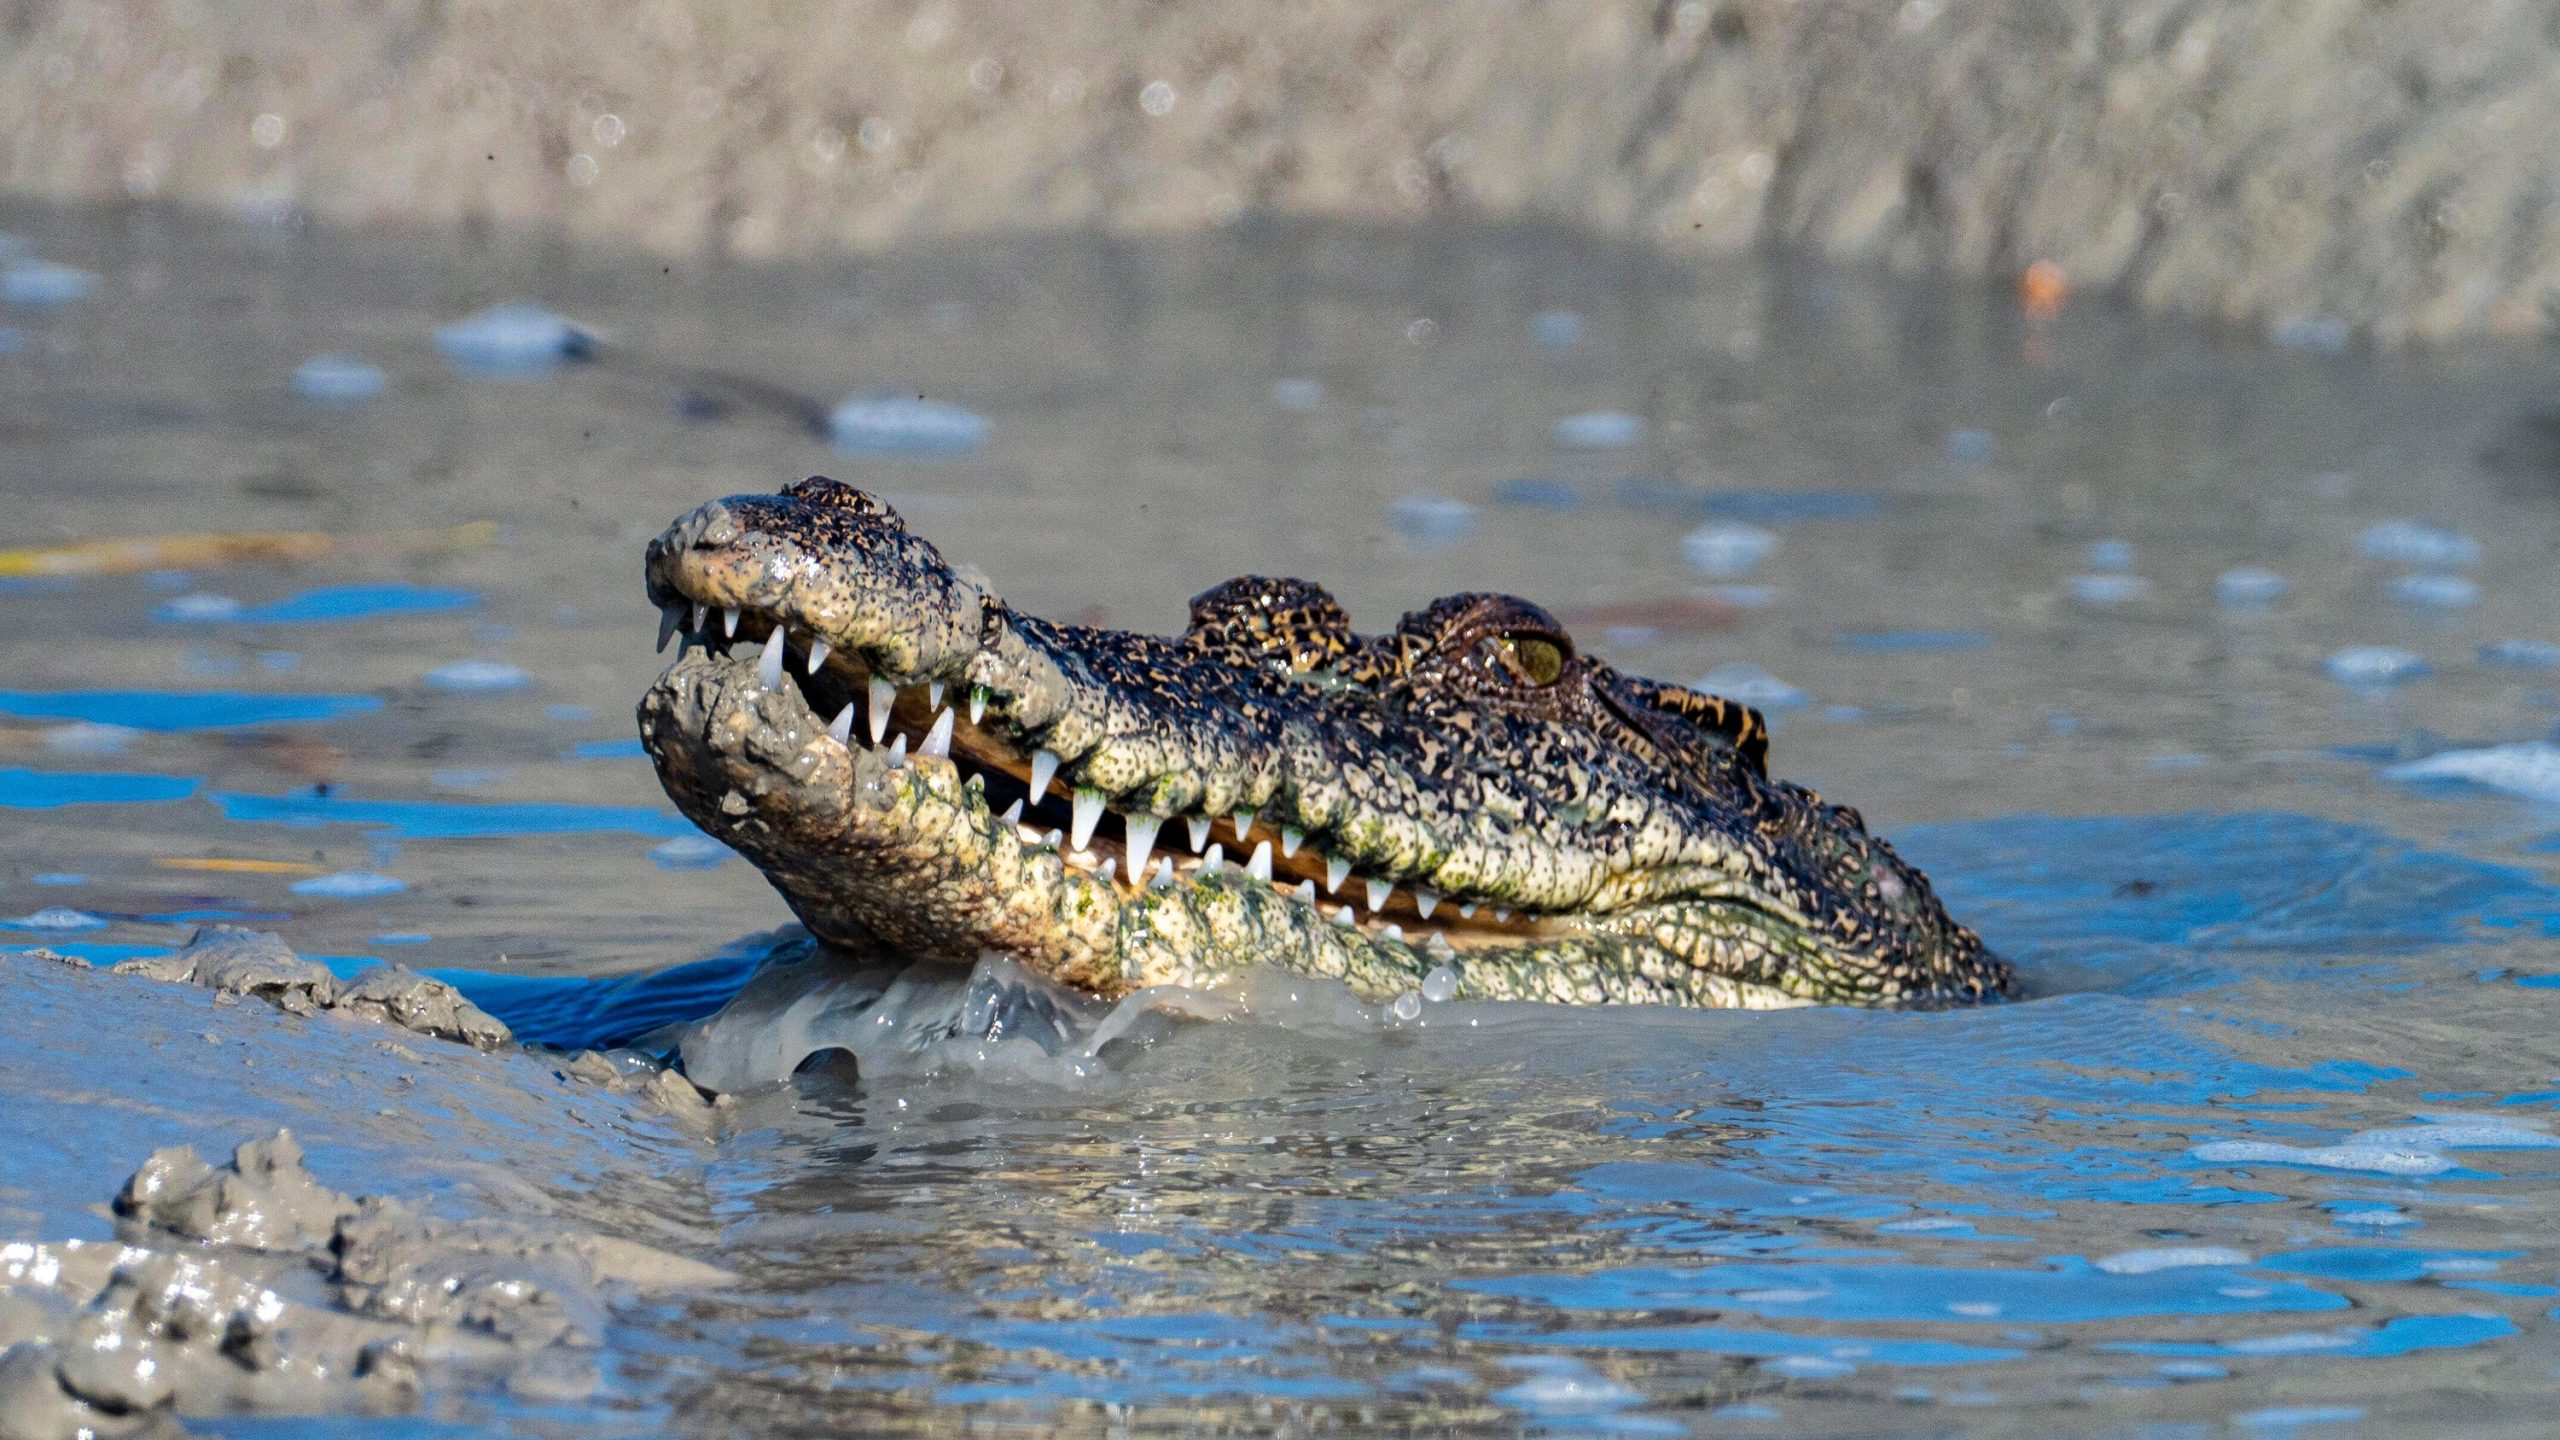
x: 911, y: 823
x: 1463, y: 807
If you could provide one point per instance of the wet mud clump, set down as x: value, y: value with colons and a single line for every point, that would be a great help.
x: 233, y: 961
x: 252, y: 1286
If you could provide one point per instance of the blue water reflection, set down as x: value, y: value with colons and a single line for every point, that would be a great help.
x: 450, y: 820
x: 180, y: 711
x: 24, y: 789
x: 328, y: 604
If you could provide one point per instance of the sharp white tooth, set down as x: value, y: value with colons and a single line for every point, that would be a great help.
x: 818, y: 648
x: 1012, y: 813
x: 883, y: 695
x: 1291, y: 837
x: 1343, y: 917
x: 841, y: 728
x: 769, y: 664
x: 1425, y: 901
x: 729, y: 621
x: 701, y: 617
x: 1110, y: 869
x: 1052, y: 838
x: 1243, y: 821
x: 1199, y: 828
x: 1259, y: 867
x: 1044, y: 765
x: 933, y: 695
x: 1163, y: 875
x: 1307, y: 892
x: 898, y: 752
x: 1087, y: 814
x: 1142, y: 838
x: 1214, y: 861
x: 1501, y: 915
x: 937, y: 741
x: 1335, y: 870
x: 1379, y: 890
x: 1392, y: 932
x: 668, y: 618
x: 977, y: 703
x: 1467, y: 911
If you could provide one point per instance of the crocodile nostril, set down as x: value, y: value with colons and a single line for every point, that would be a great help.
x: 714, y: 527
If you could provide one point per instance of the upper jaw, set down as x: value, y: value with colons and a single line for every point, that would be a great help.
x: 894, y: 622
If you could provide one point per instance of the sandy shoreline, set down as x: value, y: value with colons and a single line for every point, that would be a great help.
x: 2312, y: 173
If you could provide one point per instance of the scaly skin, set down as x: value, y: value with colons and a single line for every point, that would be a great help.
x: 1521, y: 818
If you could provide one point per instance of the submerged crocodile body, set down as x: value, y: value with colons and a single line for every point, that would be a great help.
x: 1466, y: 806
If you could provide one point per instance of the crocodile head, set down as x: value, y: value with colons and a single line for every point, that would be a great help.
x: 1467, y: 805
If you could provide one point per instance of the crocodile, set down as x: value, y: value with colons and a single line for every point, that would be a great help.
x: 1468, y: 806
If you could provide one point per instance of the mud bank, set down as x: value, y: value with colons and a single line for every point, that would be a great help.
x: 2312, y: 170
x: 496, y: 1263
x: 188, y: 1312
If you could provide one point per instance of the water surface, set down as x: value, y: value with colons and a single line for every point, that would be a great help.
x: 2268, y: 1146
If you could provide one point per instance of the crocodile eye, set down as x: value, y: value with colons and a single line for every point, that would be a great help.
x: 1535, y: 658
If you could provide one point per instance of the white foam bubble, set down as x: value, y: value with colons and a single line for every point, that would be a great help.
x: 2110, y: 590
x: 1432, y: 522
x: 2374, y: 1159
x: 200, y: 608
x: 512, y: 339
x: 338, y: 378
x: 1597, y: 430
x: 1752, y: 685
x: 2170, y: 1257
x: 899, y: 424
x: 1567, y: 1394
x: 60, y: 917
x: 1726, y: 547
x: 478, y: 676
x: 2530, y: 768
x: 2461, y: 1133
x: 90, y: 737
x: 2294, y: 1342
x: 2415, y: 542
x: 2436, y: 592
x: 2247, y: 587
x: 2380, y: 1217
x: 2372, y: 666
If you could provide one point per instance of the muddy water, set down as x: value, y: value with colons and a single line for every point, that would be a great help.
x: 2269, y: 1148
